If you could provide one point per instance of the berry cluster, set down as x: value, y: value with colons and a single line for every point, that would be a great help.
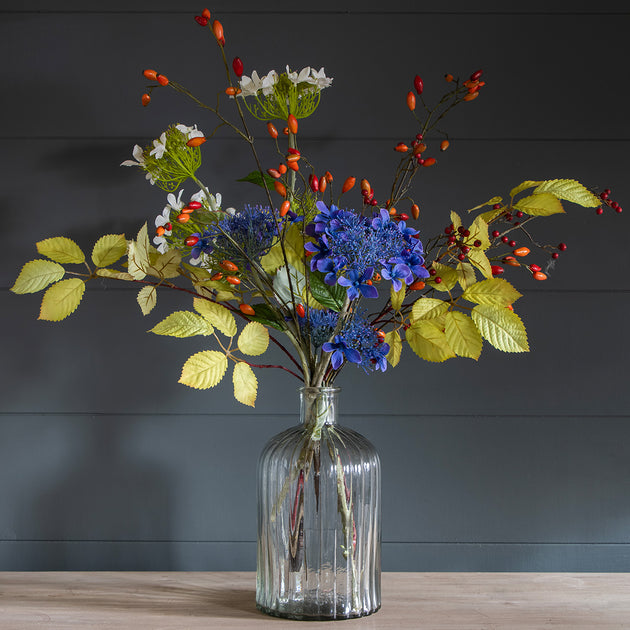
x: 605, y: 197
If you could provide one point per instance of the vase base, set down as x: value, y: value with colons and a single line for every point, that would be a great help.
x: 316, y: 615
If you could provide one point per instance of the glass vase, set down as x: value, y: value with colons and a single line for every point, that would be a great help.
x: 319, y: 518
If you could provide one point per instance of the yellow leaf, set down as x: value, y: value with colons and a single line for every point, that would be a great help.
x: 455, y: 220
x: 570, y: 190
x: 245, y: 384
x: 428, y: 308
x: 138, y: 255
x: 479, y: 232
x: 254, y: 339
x: 428, y: 341
x: 397, y: 297
x: 204, y: 369
x: 37, y: 275
x: 495, y: 291
x: 501, y: 327
x: 62, y: 299
x: 118, y: 275
x: 466, y: 273
x: 147, y: 299
x: 108, y: 249
x: 479, y: 260
x: 523, y: 186
x: 448, y: 275
x: 165, y: 265
x: 490, y: 202
x: 462, y: 335
x: 540, y: 205
x: 62, y: 250
x: 217, y: 315
x: 392, y: 338
x: 183, y: 324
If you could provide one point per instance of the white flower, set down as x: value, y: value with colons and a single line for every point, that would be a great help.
x: 319, y: 79
x: 296, y: 78
x: 159, y: 147
x: 138, y: 155
x: 268, y: 82
x: 214, y: 201
x: 175, y: 204
x: 250, y: 86
x: 190, y: 132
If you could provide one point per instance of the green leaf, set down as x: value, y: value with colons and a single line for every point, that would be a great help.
x: 397, y: 297
x: 147, y: 299
x: 217, y: 315
x: 61, y: 299
x: 570, y: 190
x: 265, y: 315
x: 495, y: 291
x: 523, y: 186
x: 428, y: 341
x: 462, y: 335
x: 392, y: 338
x: 254, y: 339
x: 112, y: 273
x: 62, y: 250
x: 204, y: 369
x: 540, y: 205
x: 108, y: 249
x: 183, y: 324
x: 332, y: 297
x: 501, y: 327
x: 165, y: 265
x: 245, y: 384
x: 37, y: 275
x: 448, y: 275
x: 428, y: 308
x: 479, y: 260
x: 466, y: 273
x: 256, y: 177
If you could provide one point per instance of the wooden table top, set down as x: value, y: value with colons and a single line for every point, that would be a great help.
x: 435, y: 601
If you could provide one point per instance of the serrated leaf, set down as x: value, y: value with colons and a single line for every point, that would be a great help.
x: 217, y: 315
x: 428, y: 341
x: 495, y: 291
x: 501, y: 327
x: 332, y: 297
x: 523, y: 186
x: 254, y: 339
x: 540, y: 205
x: 428, y: 308
x: 204, y: 369
x: 108, y: 249
x: 245, y: 384
x: 462, y: 335
x: 256, y: 177
x: 479, y: 260
x: 112, y: 273
x: 62, y: 250
x: 392, y: 338
x: 147, y: 299
x: 479, y: 232
x: 183, y: 324
x: 490, y: 202
x: 37, y: 275
x: 466, y: 274
x: 448, y: 275
x: 265, y: 315
x: 456, y: 220
x: 397, y: 297
x: 138, y: 255
x: 570, y: 190
x: 61, y: 299
x: 165, y: 265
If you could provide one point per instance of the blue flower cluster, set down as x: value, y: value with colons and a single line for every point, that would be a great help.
x: 350, y: 248
x: 245, y: 235
x: 357, y: 342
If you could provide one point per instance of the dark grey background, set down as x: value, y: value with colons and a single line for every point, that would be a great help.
x: 514, y: 462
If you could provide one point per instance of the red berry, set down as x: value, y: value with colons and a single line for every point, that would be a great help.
x: 437, y: 280
x: 519, y: 214
x: 476, y: 75
x: 195, y: 205
x: 512, y: 243
x: 604, y: 195
x: 497, y: 206
x: 418, y: 84
x: 452, y: 238
x: 614, y: 205
x: 618, y: 209
x: 599, y: 211
x: 562, y: 247
x: 496, y: 270
x: 505, y: 239
x: 477, y: 243
x: 237, y: 66
x: 555, y: 255
x: 495, y: 233
x: 191, y: 241
x: 432, y: 272
x: 299, y: 309
x: 533, y: 267
x: 202, y: 21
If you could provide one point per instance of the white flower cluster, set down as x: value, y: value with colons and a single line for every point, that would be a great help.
x: 250, y: 86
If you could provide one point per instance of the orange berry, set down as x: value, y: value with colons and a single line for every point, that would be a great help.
x: 150, y: 74
x: 299, y: 309
x: 228, y: 265
x: 511, y: 261
x: 282, y: 168
x: 146, y: 99
x: 419, y: 148
x: 292, y: 124
x: 328, y: 176
x: 539, y: 275
x: 217, y: 276
x: 195, y: 142
x: 444, y: 145
x: 271, y: 130
x: 294, y: 166
x: 429, y: 162
x: 415, y: 211
x: 520, y: 251
x: 471, y: 96
x: 293, y: 157
x: 233, y: 280
x: 365, y: 185
x: 285, y: 207
x: 205, y: 13
x: 273, y: 172
x: 161, y: 79
x: 182, y: 218
x: 392, y: 211
x: 418, y: 285
x: 401, y: 147
x: 322, y: 184
x: 187, y: 210
x: 285, y: 131
x: 231, y: 91
x: 348, y: 184
x: 159, y: 231
x: 280, y: 188
x: 448, y: 78
x: 411, y: 101
x: 217, y: 29
x: 246, y: 309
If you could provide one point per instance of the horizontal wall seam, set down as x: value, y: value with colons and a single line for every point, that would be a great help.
x: 316, y: 12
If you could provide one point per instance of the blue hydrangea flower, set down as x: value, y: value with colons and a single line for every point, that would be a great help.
x: 359, y: 284
x: 340, y: 351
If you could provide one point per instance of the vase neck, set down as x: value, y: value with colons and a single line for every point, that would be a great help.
x: 318, y: 406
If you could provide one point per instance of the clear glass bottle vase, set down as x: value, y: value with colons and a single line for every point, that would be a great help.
x: 319, y: 518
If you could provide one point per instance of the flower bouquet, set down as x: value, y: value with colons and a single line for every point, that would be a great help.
x: 328, y: 276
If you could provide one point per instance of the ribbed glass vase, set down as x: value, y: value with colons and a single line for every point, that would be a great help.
x: 319, y: 518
